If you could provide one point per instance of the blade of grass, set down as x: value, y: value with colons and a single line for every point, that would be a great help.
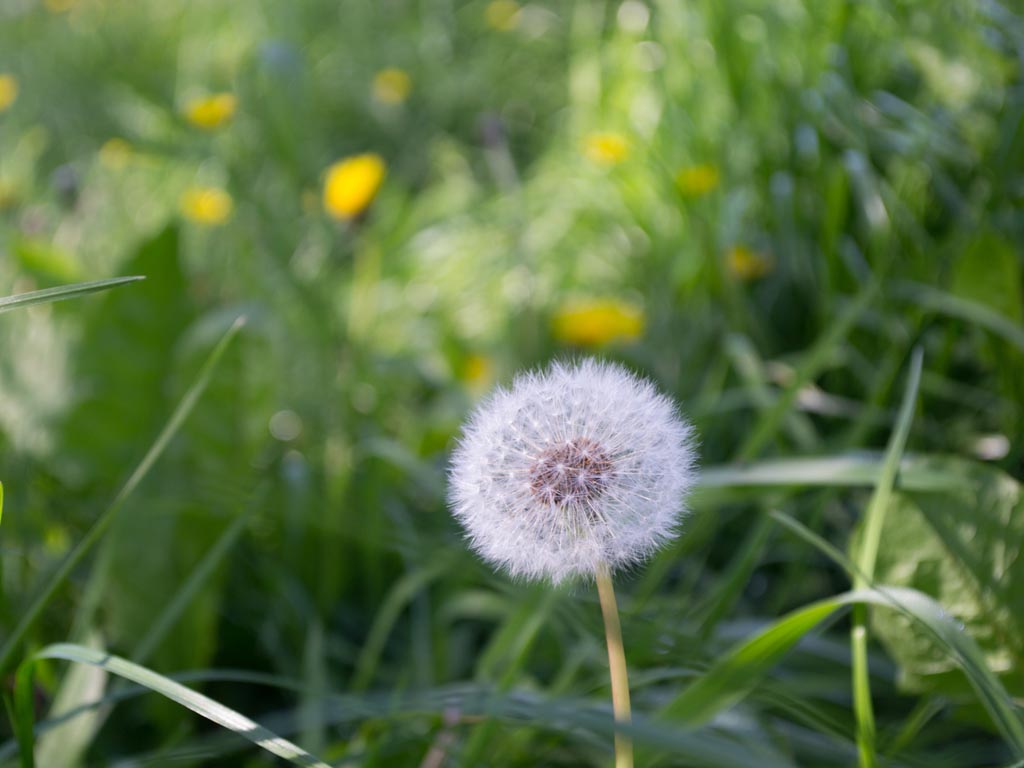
x: 193, y: 700
x: 736, y: 673
x: 98, y: 528
x: 404, y: 591
x: 24, y: 713
x: 961, y: 648
x: 916, y: 473
x: 943, y: 303
x: 810, y: 366
x: 62, y: 292
x: 867, y: 555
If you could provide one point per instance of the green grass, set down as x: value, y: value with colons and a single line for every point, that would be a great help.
x: 848, y: 586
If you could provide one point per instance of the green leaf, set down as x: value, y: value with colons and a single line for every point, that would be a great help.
x: 83, y: 547
x: 735, y: 674
x: 866, y: 556
x: 186, y: 697
x: 62, y: 292
x: 24, y: 712
x: 964, y: 548
x: 123, y: 364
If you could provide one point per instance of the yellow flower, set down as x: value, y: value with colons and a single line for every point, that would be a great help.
x: 391, y: 86
x: 8, y: 194
x: 598, y: 322
x: 606, y: 148
x: 209, y: 206
x: 477, y: 373
x: 502, y: 15
x: 351, y: 185
x: 697, y: 180
x: 745, y: 264
x: 211, y: 112
x: 115, y: 153
x: 8, y: 90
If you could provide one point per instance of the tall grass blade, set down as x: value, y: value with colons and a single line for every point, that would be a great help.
x: 193, y: 700
x: 867, y: 555
x: 98, y: 528
x: 61, y: 292
x: 734, y: 675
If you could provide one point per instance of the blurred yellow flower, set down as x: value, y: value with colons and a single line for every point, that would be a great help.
x: 391, y: 86
x: 8, y: 194
x: 598, y: 322
x: 60, y: 6
x: 746, y: 264
x: 351, y: 185
x: 502, y: 15
x: 606, y: 148
x: 209, y: 206
x: 8, y: 90
x: 211, y: 112
x: 697, y: 180
x: 478, y: 373
x: 115, y: 153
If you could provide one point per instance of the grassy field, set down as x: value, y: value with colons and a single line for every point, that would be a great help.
x: 802, y: 219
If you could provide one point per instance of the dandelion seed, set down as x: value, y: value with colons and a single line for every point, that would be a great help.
x: 572, y: 469
x: 208, y: 206
x: 352, y: 184
x: 746, y: 264
x: 211, y: 112
x: 391, y: 86
x: 598, y: 322
x: 697, y: 180
x: 606, y: 148
x: 8, y: 90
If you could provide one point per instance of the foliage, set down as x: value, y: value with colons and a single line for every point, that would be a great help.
x: 762, y: 205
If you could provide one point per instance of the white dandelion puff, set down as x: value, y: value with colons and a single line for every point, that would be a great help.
x: 572, y: 469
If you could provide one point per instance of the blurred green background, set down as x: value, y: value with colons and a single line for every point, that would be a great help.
x: 763, y: 205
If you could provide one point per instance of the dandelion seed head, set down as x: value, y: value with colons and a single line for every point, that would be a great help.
x: 571, y: 467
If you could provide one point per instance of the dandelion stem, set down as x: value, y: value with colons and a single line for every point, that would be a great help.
x: 616, y: 665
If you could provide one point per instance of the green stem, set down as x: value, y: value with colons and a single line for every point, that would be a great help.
x: 616, y: 665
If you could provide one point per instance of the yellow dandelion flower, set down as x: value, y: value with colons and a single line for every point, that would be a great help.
x: 351, y: 185
x: 391, y: 86
x: 502, y: 15
x: 697, y: 180
x: 115, y: 154
x: 8, y: 194
x: 598, y: 322
x: 606, y: 148
x: 746, y: 264
x: 209, y: 206
x: 60, y: 6
x: 211, y: 112
x: 8, y: 90
x: 477, y: 373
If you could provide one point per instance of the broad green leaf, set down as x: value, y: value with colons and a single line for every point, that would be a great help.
x: 62, y: 292
x: 964, y: 548
x: 186, y: 697
x: 98, y: 528
x: 988, y: 272
x: 735, y: 674
x: 50, y: 262
x: 122, y: 366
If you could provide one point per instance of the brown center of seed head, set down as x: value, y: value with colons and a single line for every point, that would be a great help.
x: 571, y: 473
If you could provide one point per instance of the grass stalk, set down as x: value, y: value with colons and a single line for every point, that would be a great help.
x: 616, y: 666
